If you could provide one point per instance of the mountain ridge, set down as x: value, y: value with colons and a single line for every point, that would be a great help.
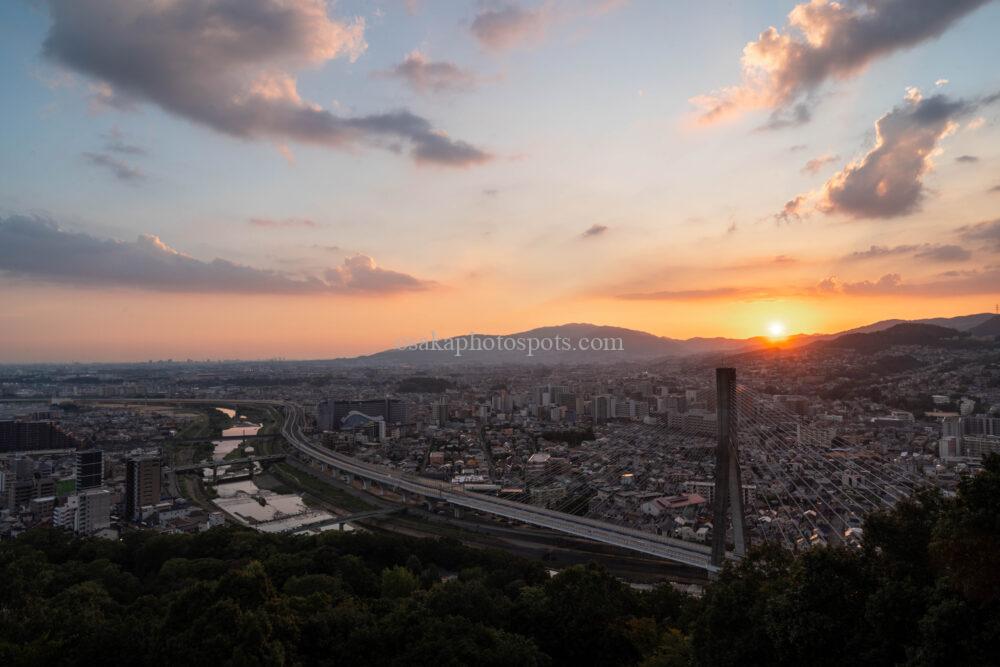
x: 636, y: 345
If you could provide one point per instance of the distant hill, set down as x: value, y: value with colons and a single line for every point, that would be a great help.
x: 960, y: 323
x: 643, y: 346
x: 635, y: 345
x: 906, y: 333
x: 990, y: 327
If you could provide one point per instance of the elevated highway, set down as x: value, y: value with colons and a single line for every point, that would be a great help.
x: 678, y: 551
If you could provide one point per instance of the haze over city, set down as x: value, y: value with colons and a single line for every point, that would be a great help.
x: 303, y: 179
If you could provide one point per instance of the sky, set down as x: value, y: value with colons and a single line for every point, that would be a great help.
x: 305, y: 179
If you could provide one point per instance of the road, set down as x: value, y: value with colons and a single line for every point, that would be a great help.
x: 694, y: 555
x: 678, y: 551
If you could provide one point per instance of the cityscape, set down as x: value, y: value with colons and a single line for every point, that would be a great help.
x: 502, y: 332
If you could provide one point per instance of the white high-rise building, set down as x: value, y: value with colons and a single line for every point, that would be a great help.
x: 85, y: 513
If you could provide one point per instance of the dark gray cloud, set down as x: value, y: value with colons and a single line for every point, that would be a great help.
x: 594, y: 230
x: 120, y: 169
x: 224, y: 64
x: 968, y: 159
x: 987, y: 232
x: 427, y: 76
x: 888, y: 181
x: 995, y: 188
x: 826, y: 40
x: 38, y: 249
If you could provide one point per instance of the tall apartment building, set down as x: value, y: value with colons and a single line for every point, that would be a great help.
x: 142, y: 485
x: 89, y: 469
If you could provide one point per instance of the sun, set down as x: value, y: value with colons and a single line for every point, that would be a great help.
x: 776, y: 330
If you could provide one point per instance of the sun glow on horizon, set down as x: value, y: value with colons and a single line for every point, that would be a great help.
x: 776, y: 330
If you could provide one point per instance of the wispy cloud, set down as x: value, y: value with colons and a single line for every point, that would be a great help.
x: 428, y: 76
x: 121, y: 170
x: 698, y: 294
x: 594, y: 230
x: 38, y: 249
x: 987, y: 231
x: 285, y: 223
x: 929, y: 251
x: 814, y: 165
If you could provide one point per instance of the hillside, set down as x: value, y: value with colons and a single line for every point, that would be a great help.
x: 643, y: 346
x: 907, y: 333
x: 990, y: 327
x: 635, y: 345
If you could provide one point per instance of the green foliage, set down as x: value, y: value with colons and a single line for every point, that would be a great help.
x: 923, y: 591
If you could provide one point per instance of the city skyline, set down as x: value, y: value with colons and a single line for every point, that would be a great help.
x: 315, y: 180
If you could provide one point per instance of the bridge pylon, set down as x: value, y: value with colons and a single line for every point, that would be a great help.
x: 728, y: 490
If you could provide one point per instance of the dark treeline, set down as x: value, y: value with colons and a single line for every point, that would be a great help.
x: 925, y: 590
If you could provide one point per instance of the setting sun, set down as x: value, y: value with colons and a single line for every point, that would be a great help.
x: 776, y: 330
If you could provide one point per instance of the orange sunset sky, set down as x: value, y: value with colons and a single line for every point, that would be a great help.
x: 308, y: 179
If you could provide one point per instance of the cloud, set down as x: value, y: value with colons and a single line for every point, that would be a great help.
x: 426, y: 76
x: 115, y: 142
x: 984, y: 281
x: 814, y: 165
x: 36, y: 248
x: 121, y: 170
x: 509, y: 26
x: 969, y: 159
x: 360, y: 274
x: 225, y: 65
x: 696, y: 294
x: 878, y: 251
x: 888, y: 181
x: 594, y: 230
x: 825, y: 40
x: 945, y: 253
x: 995, y: 188
x: 286, y: 223
x: 504, y: 26
x: 928, y: 251
x: 976, y: 123
x: 988, y: 231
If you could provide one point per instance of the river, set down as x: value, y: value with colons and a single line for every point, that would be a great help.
x: 261, y: 509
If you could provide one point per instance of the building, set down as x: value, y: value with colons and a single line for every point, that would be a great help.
x: 330, y: 413
x: 142, y: 485
x: 439, y: 413
x: 86, y: 513
x: 26, y: 436
x: 89, y: 469
x: 603, y: 407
